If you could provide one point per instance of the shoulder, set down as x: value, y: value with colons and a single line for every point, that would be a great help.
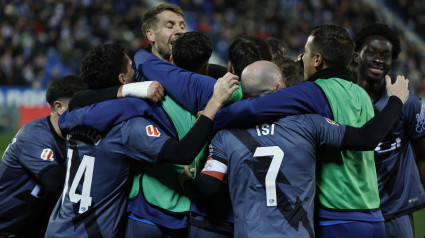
x: 414, y: 100
x: 140, y: 121
x: 38, y: 128
x: 139, y: 126
x: 413, y: 106
x: 222, y: 136
x: 134, y: 125
x: 299, y: 121
x: 142, y: 56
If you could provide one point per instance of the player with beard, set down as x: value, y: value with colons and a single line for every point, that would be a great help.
x: 100, y: 159
x: 327, y: 92
x: 270, y: 167
x: 194, y: 49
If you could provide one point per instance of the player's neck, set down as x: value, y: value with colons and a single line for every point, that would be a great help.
x: 54, y: 117
x: 157, y: 54
x: 372, y: 88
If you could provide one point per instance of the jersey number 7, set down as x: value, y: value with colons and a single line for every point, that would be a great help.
x: 272, y: 172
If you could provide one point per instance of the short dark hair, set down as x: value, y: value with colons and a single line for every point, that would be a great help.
x: 150, y: 18
x: 246, y: 50
x: 291, y: 70
x: 192, y: 50
x: 102, y: 65
x: 277, y: 47
x: 334, y: 44
x: 63, y: 88
x: 378, y: 29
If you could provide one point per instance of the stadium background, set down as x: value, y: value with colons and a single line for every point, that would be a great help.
x: 43, y: 39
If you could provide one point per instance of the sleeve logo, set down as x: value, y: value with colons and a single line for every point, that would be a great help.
x: 331, y: 122
x: 152, y: 131
x: 47, y: 154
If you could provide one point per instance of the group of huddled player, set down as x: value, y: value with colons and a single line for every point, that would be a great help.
x: 168, y: 145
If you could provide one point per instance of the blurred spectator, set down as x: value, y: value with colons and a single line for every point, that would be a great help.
x: 289, y: 22
x: 41, y: 40
x: 44, y: 39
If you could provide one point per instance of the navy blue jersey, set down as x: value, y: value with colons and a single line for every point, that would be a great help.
x: 400, y: 187
x: 271, y: 173
x: 97, y: 183
x: 198, y: 89
x: 118, y: 110
x: 191, y: 90
x: 303, y: 98
x: 35, y: 148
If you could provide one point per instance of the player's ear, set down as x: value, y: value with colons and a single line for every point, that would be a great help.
x: 318, y: 61
x: 60, y: 107
x: 279, y: 86
x: 171, y: 59
x: 205, y: 68
x: 230, y: 67
x: 122, y: 79
x: 356, y: 58
x: 150, y: 35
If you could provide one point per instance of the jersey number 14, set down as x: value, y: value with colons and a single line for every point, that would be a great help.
x: 85, y: 169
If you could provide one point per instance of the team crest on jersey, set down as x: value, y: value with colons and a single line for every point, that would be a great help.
x: 47, y: 154
x: 152, y: 131
x: 331, y: 122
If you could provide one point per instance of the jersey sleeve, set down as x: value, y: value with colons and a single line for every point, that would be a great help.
x: 413, y: 113
x: 142, y: 139
x: 215, y: 168
x: 298, y: 99
x: 210, y: 180
x: 102, y: 115
x: 191, y: 90
x: 39, y: 151
x: 216, y: 148
x: 326, y: 131
x: 216, y: 165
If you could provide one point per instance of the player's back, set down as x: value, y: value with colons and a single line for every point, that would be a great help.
x: 271, y: 174
x: 97, y: 182
x: 34, y: 148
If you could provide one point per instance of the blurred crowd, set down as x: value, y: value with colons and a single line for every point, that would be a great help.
x: 412, y: 12
x: 44, y: 39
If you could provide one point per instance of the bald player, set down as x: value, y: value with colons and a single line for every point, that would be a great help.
x: 270, y: 168
x: 271, y: 79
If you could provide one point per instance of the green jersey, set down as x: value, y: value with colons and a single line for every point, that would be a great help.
x: 159, y: 182
x: 347, y: 179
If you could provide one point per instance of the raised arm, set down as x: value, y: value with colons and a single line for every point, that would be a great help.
x: 191, y: 90
x: 370, y: 134
x: 102, y: 115
x: 298, y: 99
x: 145, y: 90
x: 365, y: 138
x: 185, y: 150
